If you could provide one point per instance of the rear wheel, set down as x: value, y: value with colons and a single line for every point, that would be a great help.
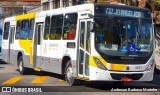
x: 70, y: 79
x: 21, y: 68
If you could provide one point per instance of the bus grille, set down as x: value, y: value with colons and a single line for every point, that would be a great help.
x: 120, y: 76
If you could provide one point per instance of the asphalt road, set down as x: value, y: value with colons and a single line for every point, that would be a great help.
x: 50, y: 82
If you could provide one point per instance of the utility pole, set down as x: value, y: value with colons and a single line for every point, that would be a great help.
x: 24, y: 10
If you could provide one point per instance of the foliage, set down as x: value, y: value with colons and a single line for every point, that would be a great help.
x: 157, y: 5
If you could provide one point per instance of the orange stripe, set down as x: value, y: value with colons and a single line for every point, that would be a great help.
x: 112, y: 67
x: 31, y: 59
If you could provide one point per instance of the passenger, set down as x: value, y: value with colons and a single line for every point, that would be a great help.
x: 72, y: 33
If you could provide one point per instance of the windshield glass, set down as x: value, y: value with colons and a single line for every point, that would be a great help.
x: 123, y: 37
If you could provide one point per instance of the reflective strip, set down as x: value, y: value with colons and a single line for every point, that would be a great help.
x: 117, y: 67
x: 82, y: 78
x: 111, y: 66
x: 37, y: 69
x: 40, y: 79
x: 13, y: 80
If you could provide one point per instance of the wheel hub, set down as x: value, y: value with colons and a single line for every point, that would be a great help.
x: 20, y: 66
x: 69, y: 74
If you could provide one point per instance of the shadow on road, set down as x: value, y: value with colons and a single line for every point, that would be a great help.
x: 43, y: 73
x: 156, y: 80
x: 2, y: 62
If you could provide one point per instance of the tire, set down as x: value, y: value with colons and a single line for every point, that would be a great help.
x: 22, y: 70
x: 70, y: 79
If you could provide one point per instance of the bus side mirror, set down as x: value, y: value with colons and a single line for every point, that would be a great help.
x: 90, y: 16
x: 92, y: 27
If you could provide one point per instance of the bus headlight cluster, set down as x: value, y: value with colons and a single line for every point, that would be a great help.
x: 99, y: 63
x: 150, y: 66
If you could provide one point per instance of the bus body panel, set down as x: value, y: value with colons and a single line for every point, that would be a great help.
x: 5, y: 42
x: 49, y: 54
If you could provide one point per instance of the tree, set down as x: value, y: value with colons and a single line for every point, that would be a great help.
x: 157, y: 5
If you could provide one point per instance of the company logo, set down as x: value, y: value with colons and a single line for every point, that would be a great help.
x: 127, y: 68
x: 6, y: 89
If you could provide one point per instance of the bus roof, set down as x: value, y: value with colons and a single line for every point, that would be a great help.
x: 26, y: 16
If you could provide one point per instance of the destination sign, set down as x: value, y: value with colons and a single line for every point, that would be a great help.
x: 121, y: 12
x: 124, y: 11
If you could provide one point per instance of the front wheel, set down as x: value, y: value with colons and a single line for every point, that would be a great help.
x: 70, y: 79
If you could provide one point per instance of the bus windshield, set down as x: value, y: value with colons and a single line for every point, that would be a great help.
x: 123, y: 37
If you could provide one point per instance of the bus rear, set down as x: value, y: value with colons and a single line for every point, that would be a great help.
x: 123, y: 44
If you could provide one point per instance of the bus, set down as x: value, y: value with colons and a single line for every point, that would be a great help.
x: 91, y: 42
x: 157, y: 49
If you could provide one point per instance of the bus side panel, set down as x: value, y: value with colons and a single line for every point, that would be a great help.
x: 24, y: 49
x: 52, y: 53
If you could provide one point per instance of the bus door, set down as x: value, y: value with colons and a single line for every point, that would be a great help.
x: 84, y: 48
x: 11, y: 44
x: 37, y: 60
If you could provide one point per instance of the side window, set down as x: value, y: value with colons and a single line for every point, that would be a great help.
x: 70, y: 23
x: 24, y: 29
x: 18, y: 29
x: 82, y: 31
x: 31, y: 28
x: 6, y: 30
x: 56, y: 27
x: 46, y: 29
x: 88, y: 36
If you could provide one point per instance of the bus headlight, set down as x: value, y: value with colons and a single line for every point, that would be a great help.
x: 99, y: 63
x: 150, y: 66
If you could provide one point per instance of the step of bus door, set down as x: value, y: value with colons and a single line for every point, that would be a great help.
x: 37, y: 69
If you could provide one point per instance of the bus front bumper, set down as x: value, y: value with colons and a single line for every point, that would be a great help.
x: 97, y: 74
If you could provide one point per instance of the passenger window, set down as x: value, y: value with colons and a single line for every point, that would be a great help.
x: 46, y: 29
x: 24, y: 29
x: 88, y: 37
x: 30, y: 34
x: 70, y: 23
x: 56, y: 27
x: 18, y: 28
x: 6, y: 30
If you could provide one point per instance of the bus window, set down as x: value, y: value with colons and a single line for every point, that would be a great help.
x: 18, y: 28
x: 88, y: 36
x: 24, y: 29
x: 70, y: 23
x: 56, y: 27
x: 30, y: 34
x: 82, y: 31
x: 46, y: 30
x: 6, y: 30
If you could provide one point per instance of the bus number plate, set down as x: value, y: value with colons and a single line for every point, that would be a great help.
x: 138, y: 67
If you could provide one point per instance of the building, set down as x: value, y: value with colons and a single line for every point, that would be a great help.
x: 53, y: 4
x: 15, y: 7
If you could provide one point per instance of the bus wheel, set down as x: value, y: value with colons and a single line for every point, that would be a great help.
x: 21, y: 68
x: 69, y: 75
